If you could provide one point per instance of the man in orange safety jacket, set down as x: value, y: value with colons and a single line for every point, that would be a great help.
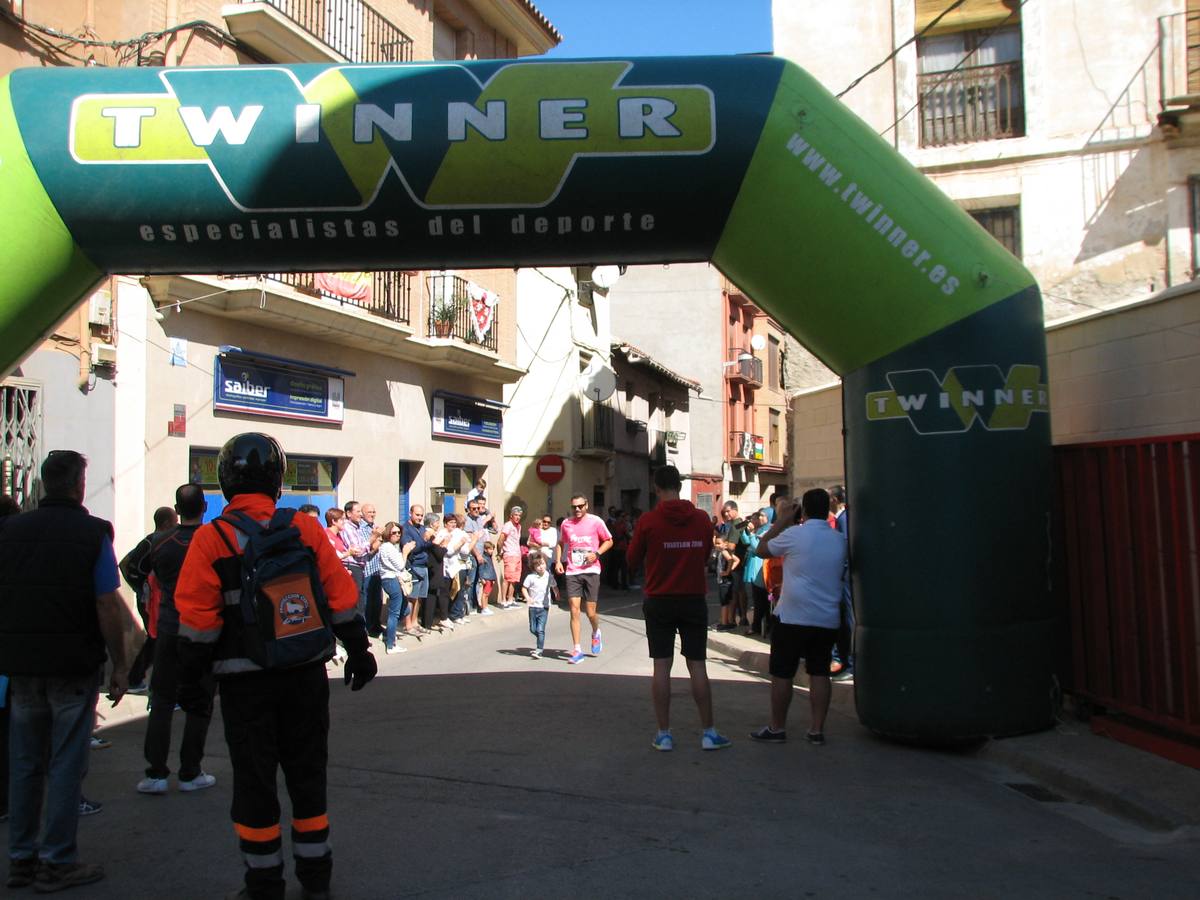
x: 274, y: 718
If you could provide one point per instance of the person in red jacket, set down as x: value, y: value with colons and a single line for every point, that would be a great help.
x: 274, y: 718
x: 674, y: 540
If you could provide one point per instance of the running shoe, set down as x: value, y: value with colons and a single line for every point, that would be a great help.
x: 139, y: 688
x: 487, y: 611
x: 767, y: 736
x: 150, y: 785
x: 597, y: 644
x: 576, y: 658
x: 663, y: 742
x: 714, y: 741
x: 391, y: 651
x: 815, y: 737
x: 89, y: 807
x: 99, y: 743
x: 535, y: 653
x: 199, y: 783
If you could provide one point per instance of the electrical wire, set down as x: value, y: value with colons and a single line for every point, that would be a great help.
x: 920, y: 34
x: 135, y: 44
x: 987, y: 35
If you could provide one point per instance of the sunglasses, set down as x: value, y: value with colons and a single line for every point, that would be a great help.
x: 578, y: 506
x: 393, y: 532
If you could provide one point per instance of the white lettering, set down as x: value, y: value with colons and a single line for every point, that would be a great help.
x: 203, y: 131
x: 368, y: 117
x: 636, y: 114
x: 308, y: 123
x: 491, y: 124
x: 558, y: 115
x: 127, y: 123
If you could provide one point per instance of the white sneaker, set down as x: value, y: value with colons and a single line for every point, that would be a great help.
x: 535, y: 653
x: 150, y: 785
x: 199, y: 783
x: 486, y: 611
x: 446, y: 624
x: 396, y: 649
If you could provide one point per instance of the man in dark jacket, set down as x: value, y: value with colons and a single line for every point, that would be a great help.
x: 59, y: 609
x: 674, y: 539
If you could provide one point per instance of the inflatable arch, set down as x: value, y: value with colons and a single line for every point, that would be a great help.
x: 746, y: 161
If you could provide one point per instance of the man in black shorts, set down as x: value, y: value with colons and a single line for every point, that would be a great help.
x: 674, y: 539
x: 808, y: 611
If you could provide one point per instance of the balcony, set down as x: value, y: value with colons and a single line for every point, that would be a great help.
x: 451, y: 313
x: 384, y: 294
x: 369, y: 311
x: 743, y: 368
x: 745, y: 447
x: 294, y: 31
x: 598, y: 436
x: 974, y: 103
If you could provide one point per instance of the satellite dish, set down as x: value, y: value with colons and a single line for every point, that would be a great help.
x: 605, y: 277
x: 597, y: 382
x: 758, y: 342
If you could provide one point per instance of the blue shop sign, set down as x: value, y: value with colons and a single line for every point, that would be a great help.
x: 467, y: 418
x: 251, y: 387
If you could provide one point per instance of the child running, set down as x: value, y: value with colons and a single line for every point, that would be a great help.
x: 536, y: 590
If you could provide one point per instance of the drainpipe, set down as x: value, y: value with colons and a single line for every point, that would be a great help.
x: 171, y: 54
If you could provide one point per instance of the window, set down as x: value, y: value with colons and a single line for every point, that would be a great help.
x: 21, y: 434
x: 774, y: 457
x: 970, y: 86
x: 1002, y: 223
x: 1194, y: 197
x: 773, y: 363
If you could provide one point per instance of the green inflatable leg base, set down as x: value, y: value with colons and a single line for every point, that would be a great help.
x: 953, y: 686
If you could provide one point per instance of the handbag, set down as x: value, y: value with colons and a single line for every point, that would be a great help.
x: 406, y: 582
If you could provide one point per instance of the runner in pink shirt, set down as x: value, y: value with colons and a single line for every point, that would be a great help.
x: 583, y: 538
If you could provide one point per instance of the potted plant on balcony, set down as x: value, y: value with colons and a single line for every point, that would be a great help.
x: 444, y: 312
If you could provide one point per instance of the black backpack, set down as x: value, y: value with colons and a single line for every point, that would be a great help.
x: 285, y: 615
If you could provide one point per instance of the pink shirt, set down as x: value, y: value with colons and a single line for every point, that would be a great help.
x: 579, y: 538
x: 512, y: 539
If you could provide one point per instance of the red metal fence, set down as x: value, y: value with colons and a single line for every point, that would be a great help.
x: 1129, y: 513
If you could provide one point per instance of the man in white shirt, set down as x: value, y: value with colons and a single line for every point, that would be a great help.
x: 809, y: 609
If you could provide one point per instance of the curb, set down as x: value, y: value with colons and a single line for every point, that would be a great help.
x: 758, y: 661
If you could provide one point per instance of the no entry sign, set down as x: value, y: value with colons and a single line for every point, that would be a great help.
x: 550, y: 468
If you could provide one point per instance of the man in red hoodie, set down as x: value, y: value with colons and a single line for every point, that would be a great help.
x: 674, y: 539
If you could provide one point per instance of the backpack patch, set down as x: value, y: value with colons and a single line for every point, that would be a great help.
x: 284, y: 613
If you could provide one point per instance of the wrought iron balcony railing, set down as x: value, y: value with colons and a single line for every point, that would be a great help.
x: 745, y: 447
x: 744, y: 367
x: 386, y: 294
x: 451, y: 313
x: 598, y: 428
x: 977, y: 103
x: 352, y: 28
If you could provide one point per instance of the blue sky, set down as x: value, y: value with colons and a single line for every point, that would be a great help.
x: 658, y: 27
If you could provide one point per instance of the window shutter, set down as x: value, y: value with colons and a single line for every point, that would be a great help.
x: 972, y: 14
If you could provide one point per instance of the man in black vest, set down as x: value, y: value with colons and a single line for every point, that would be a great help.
x: 165, y: 560
x: 59, y: 608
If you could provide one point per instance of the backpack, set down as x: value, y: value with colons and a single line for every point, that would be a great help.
x: 285, y: 615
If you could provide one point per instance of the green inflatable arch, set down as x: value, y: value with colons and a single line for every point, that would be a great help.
x: 748, y: 162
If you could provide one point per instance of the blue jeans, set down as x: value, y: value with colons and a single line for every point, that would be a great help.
x: 464, y: 600
x: 397, y: 607
x: 52, y: 719
x: 537, y: 625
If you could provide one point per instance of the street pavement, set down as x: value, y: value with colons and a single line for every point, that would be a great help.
x: 468, y: 769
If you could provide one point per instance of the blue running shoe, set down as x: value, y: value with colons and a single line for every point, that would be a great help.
x: 597, y: 644
x: 714, y: 741
x: 576, y: 658
x: 663, y: 742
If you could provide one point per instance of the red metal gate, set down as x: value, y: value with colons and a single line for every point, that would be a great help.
x: 1130, y: 518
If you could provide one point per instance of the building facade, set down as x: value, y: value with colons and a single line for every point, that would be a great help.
x: 1070, y: 138
x: 381, y: 386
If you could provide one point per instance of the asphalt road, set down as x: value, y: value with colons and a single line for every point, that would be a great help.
x: 468, y: 770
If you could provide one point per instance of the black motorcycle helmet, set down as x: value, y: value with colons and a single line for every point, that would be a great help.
x: 251, y: 463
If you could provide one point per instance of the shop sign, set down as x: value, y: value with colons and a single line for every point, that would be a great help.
x: 466, y: 418
x: 241, y: 386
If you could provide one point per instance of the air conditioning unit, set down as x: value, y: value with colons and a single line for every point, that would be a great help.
x: 100, y: 309
x: 104, y: 355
